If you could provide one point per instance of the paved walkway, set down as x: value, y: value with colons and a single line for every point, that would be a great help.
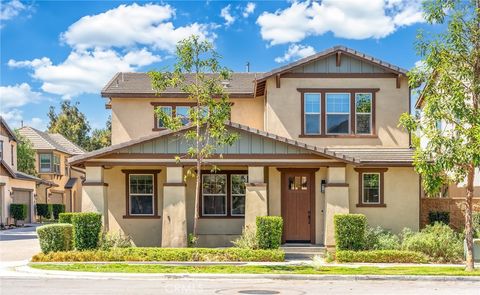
x: 18, y: 244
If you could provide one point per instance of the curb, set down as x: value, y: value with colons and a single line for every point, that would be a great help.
x: 123, y: 276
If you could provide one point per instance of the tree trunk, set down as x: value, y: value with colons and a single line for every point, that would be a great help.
x: 468, y: 219
x: 197, y: 196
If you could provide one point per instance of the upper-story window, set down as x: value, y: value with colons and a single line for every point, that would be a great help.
x: 181, y: 111
x: 12, y: 160
x: 56, y: 164
x: 338, y: 112
x: 45, y: 162
x: 1, y: 149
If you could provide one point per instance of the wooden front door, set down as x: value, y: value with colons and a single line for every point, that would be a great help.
x: 297, y: 204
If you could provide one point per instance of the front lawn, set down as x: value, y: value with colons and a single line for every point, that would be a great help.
x: 252, y: 269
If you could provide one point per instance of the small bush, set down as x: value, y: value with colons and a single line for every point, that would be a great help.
x: 114, y: 240
x: 269, y: 232
x: 57, y: 209
x: 476, y: 224
x: 438, y: 241
x: 65, y: 217
x: 377, y: 238
x: 350, y: 231
x: 438, y: 216
x: 55, y: 237
x: 18, y: 211
x: 381, y: 256
x: 44, y: 210
x: 164, y: 254
x: 248, y: 239
x: 86, y: 230
x: 192, y: 240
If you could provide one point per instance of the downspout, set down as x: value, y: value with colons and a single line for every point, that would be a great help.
x: 409, y: 113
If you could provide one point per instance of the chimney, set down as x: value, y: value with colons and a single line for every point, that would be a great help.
x: 247, y: 67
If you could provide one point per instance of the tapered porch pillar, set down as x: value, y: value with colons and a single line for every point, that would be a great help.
x: 336, y: 200
x: 256, y: 199
x: 94, y: 193
x: 174, y: 226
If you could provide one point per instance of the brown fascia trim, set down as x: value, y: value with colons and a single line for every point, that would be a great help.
x: 339, y: 75
x: 337, y: 185
x: 287, y: 165
x: 94, y: 183
x: 168, y: 95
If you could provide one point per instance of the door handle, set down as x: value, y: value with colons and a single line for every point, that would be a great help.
x: 309, y: 216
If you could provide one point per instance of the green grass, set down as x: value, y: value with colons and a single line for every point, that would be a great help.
x: 251, y: 269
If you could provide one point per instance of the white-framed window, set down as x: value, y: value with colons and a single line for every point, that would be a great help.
x: 182, y: 113
x: 56, y: 164
x: 363, y: 113
x: 214, y: 194
x: 45, y: 162
x: 166, y: 110
x: 312, y: 113
x: 371, y: 188
x: 141, y: 194
x: 237, y: 194
x: 337, y: 113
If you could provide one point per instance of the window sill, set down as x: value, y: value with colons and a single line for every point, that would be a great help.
x: 141, y: 217
x: 372, y: 205
x: 221, y: 217
x: 337, y: 136
x: 158, y: 129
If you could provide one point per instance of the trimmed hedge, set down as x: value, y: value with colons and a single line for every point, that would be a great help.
x: 269, y: 231
x: 86, y: 230
x: 350, y: 231
x: 438, y: 216
x: 44, y: 210
x: 381, y: 256
x: 164, y: 254
x: 57, y: 209
x: 55, y: 237
x: 65, y: 217
x: 18, y: 211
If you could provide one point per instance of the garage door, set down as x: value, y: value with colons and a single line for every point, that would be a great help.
x: 23, y: 197
x: 56, y: 198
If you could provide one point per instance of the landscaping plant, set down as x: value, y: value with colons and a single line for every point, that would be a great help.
x: 57, y: 209
x: 44, y: 211
x: 248, y: 239
x: 55, y: 237
x: 381, y: 256
x: 86, y: 230
x: 18, y: 211
x: 476, y: 224
x: 438, y: 216
x: 377, y: 238
x: 269, y: 232
x: 66, y: 217
x: 111, y: 240
x: 350, y: 231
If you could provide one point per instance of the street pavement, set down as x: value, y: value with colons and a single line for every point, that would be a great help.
x: 18, y: 244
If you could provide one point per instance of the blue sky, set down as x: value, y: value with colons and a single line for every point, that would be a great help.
x: 56, y: 50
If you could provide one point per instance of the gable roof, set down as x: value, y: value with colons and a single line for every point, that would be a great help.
x: 50, y: 141
x: 134, y: 85
x: 24, y: 176
x: 8, y: 129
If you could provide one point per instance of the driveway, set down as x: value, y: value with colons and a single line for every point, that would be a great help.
x: 18, y: 244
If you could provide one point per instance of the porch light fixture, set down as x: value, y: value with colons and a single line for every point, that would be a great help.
x: 322, y: 185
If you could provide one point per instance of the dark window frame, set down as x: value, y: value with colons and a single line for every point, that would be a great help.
x: 381, y: 172
x: 127, y: 193
x: 1, y: 149
x: 323, y: 128
x: 173, y: 105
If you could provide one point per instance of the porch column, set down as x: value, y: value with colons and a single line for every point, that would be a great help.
x: 336, y: 200
x: 94, y: 193
x: 256, y: 203
x: 174, y: 226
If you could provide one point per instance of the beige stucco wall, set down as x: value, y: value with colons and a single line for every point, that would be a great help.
x: 283, y: 110
x: 7, y: 150
x: 244, y: 111
x: 401, y: 197
x: 7, y: 185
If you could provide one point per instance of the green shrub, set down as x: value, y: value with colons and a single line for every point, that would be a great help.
x: 192, y: 240
x: 476, y: 224
x: 111, y: 240
x: 44, y: 211
x: 18, y: 211
x: 164, y: 254
x: 269, y: 232
x: 438, y: 216
x: 248, y: 239
x: 381, y: 256
x: 350, y: 231
x: 438, y: 241
x: 57, y: 209
x: 55, y: 237
x: 65, y: 217
x: 86, y: 230
x: 377, y: 238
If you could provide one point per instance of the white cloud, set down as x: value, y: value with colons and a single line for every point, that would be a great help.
x: 227, y: 16
x: 249, y: 9
x: 11, y: 9
x: 351, y: 19
x: 130, y: 25
x: 295, y: 52
x: 37, y: 62
x: 14, y: 97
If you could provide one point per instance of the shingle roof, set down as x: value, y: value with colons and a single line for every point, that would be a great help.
x: 50, y: 141
x: 24, y: 176
x: 377, y: 155
x: 140, y: 84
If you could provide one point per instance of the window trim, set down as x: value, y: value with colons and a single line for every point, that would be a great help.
x: 229, y: 199
x: 172, y: 105
x: 1, y: 149
x: 305, y: 113
x: 336, y: 113
x: 352, y: 127
x: 54, y: 165
x: 237, y: 195
x: 370, y: 113
x: 381, y: 172
x: 225, y: 195
x: 40, y: 163
x: 127, y: 173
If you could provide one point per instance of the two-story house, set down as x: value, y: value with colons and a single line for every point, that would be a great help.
x: 64, y: 182
x: 15, y: 187
x: 319, y: 136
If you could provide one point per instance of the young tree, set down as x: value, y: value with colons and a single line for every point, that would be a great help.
x: 101, y: 137
x: 198, y: 73
x: 451, y: 75
x: 71, y: 123
x: 25, y: 155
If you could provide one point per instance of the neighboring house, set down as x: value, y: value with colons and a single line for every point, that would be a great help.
x: 51, y: 153
x: 451, y: 197
x: 15, y: 187
x: 319, y: 136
